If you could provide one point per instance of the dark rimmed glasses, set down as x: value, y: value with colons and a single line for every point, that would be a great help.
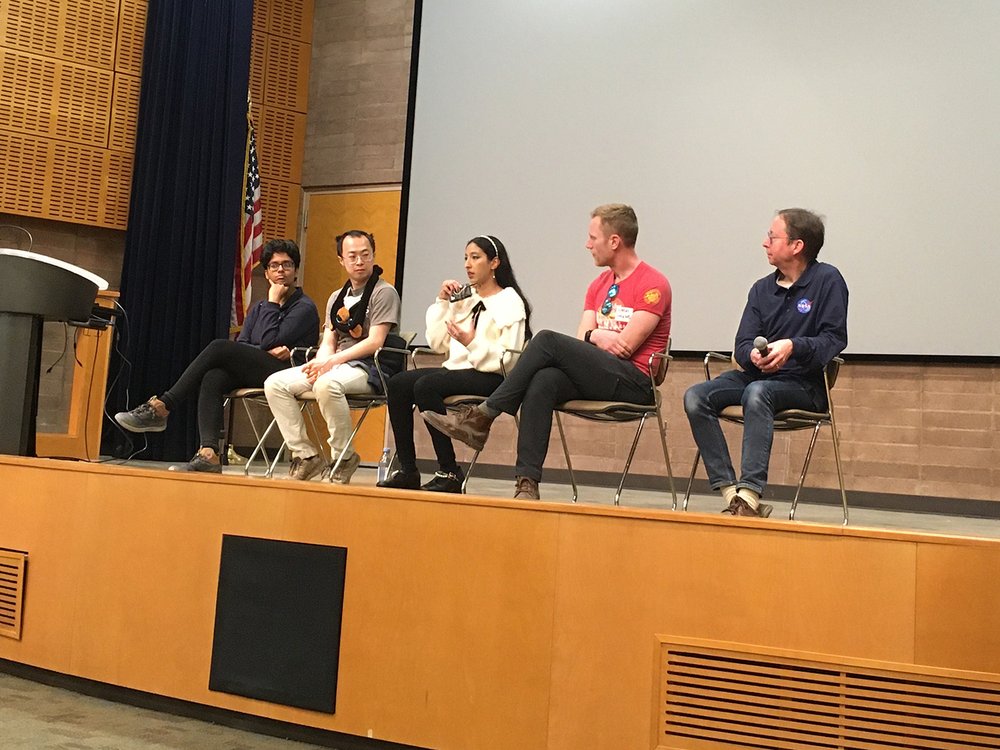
x: 608, y: 302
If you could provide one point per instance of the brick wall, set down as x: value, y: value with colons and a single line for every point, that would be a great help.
x: 358, y: 92
x: 908, y: 429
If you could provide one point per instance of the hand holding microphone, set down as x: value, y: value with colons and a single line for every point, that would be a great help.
x: 768, y: 357
x: 448, y: 288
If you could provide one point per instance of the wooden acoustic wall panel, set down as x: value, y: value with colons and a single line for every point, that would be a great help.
x: 131, y: 36
x: 12, y: 566
x: 81, y: 31
x: 124, y: 112
x: 64, y: 181
x: 76, y: 175
x: 67, y: 120
x: 22, y: 174
x: 721, y: 699
x: 261, y: 10
x: 286, y: 74
x: 42, y: 96
x: 293, y: 22
x: 119, y: 189
x: 258, y: 50
x: 281, y: 138
x: 280, y: 203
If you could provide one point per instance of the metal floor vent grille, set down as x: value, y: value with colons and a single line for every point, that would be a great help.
x: 11, y: 592
x: 715, y: 698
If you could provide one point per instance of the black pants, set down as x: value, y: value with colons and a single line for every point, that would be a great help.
x: 222, y: 366
x: 427, y: 389
x: 556, y: 368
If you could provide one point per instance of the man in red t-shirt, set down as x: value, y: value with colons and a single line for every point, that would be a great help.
x: 626, y: 319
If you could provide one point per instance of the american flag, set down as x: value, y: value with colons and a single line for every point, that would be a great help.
x: 252, y: 236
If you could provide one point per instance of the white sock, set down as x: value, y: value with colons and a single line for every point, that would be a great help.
x: 750, y: 497
x: 728, y: 493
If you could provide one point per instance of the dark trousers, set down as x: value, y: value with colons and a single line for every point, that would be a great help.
x: 222, y: 366
x: 426, y: 389
x: 556, y: 368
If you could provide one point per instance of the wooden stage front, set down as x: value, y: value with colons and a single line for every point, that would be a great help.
x: 473, y: 622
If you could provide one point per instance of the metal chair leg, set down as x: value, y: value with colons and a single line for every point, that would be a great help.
x: 569, y: 462
x: 694, y: 469
x: 259, y: 448
x: 253, y: 426
x: 350, y: 441
x: 468, y: 471
x: 628, y: 461
x: 805, y: 470
x: 840, y: 470
x: 666, y: 459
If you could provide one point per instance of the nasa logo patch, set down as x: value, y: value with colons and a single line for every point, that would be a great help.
x: 804, y: 305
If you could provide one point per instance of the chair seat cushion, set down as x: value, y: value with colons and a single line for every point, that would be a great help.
x: 245, y: 393
x: 789, y: 417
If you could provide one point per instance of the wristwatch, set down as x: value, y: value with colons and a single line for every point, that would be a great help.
x: 586, y: 336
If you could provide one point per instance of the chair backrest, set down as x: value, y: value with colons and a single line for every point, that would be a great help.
x: 660, y: 365
x: 832, y: 371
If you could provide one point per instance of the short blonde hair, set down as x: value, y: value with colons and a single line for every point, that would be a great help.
x: 619, y: 219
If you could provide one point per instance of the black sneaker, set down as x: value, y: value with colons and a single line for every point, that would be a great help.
x: 402, y: 480
x: 445, y: 481
x: 198, y: 463
x: 142, y: 418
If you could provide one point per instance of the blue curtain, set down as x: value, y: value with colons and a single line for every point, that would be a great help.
x: 185, y: 210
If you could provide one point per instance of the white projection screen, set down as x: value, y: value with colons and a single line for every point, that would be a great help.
x: 707, y: 116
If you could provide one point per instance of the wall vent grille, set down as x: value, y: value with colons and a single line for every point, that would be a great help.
x: 12, y: 566
x: 718, y: 698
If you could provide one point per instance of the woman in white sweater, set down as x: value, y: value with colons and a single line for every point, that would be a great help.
x: 474, y: 325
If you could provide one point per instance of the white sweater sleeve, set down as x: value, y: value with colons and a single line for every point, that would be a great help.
x: 437, y: 332
x: 501, y: 327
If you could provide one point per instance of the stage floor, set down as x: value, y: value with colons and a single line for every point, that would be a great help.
x: 901, y: 520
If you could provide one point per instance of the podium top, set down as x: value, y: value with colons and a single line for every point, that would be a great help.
x: 101, y: 284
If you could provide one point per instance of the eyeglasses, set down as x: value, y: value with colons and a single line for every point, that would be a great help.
x: 612, y: 293
x: 352, y: 259
x: 286, y: 265
x: 772, y: 237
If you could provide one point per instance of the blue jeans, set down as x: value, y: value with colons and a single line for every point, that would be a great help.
x: 760, y: 400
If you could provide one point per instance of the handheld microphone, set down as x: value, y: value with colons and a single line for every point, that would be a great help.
x: 760, y: 344
x: 463, y: 292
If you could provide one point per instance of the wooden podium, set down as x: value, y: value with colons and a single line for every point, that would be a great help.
x: 36, y: 288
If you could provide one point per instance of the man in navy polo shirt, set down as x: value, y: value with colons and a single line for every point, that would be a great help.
x: 801, y: 309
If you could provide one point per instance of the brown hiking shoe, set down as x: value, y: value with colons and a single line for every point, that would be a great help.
x: 304, y: 469
x: 740, y: 507
x: 346, y: 469
x: 526, y: 488
x: 467, y: 424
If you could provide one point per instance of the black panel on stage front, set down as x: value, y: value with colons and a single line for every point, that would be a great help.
x: 277, y: 621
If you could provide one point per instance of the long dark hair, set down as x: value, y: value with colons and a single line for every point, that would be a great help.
x: 504, y: 273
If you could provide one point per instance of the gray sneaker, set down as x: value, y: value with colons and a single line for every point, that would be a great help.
x: 346, y: 469
x: 142, y: 418
x: 304, y: 469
